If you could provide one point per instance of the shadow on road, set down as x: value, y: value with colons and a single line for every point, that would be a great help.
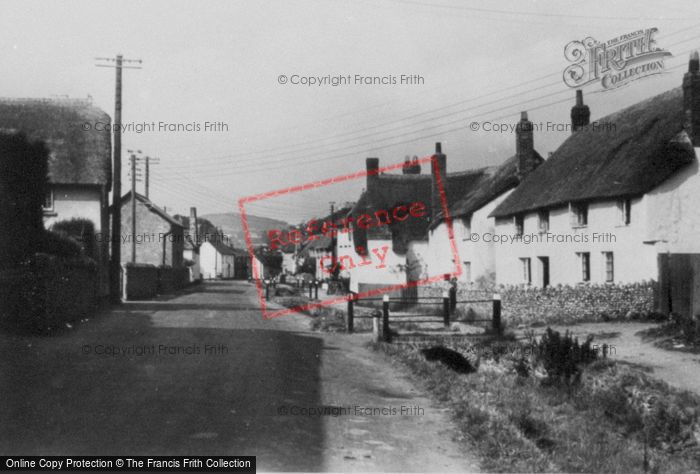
x: 220, y: 392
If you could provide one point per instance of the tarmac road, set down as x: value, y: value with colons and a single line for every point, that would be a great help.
x: 203, y: 374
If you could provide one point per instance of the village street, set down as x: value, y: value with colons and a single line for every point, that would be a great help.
x: 67, y: 394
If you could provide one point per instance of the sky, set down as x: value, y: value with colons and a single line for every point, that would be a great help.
x: 223, y: 62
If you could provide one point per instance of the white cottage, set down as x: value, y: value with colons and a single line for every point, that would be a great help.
x: 617, y: 197
x: 472, y: 225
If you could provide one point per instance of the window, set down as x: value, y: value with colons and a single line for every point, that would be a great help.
x: 519, y: 225
x: 48, y: 200
x: 585, y: 259
x: 624, y: 206
x: 609, y: 267
x: 527, y: 273
x: 543, y: 221
x: 467, y: 223
x: 467, y: 271
x: 579, y: 215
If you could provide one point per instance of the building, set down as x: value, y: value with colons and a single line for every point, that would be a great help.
x: 393, y: 248
x: 616, y: 198
x: 191, y: 246
x: 80, y: 167
x: 159, y: 238
x: 470, y: 213
x: 317, y: 250
x: 219, y: 260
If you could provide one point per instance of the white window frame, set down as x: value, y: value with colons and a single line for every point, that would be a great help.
x: 543, y: 224
x: 584, y: 259
x: 526, y: 263
x: 609, y: 259
x: 624, y: 207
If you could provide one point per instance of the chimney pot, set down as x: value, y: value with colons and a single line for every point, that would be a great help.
x: 438, y: 148
x: 580, y: 113
x: 523, y: 115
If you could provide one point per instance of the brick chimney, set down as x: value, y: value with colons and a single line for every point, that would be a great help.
x: 441, y: 163
x: 525, y: 146
x: 372, y: 172
x: 193, y: 226
x: 580, y: 113
x: 691, y: 99
x: 411, y: 166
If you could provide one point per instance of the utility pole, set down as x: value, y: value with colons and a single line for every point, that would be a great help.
x: 132, y: 157
x: 147, y: 176
x: 115, y: 262
x: 148, y: 162
x: 334, y: 244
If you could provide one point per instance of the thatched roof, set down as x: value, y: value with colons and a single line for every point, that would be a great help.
x: 322, y: 242
x: 393, y: 190
x: 627, y: 154
x: 493, y: 182
x: 76, y: 156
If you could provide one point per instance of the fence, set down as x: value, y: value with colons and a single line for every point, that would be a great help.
x: 448, y: 303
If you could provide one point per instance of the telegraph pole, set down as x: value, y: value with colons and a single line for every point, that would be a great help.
x: 147, y: 176
x: 115, y: 262
x: 133, y: 208
x: 334, y: 244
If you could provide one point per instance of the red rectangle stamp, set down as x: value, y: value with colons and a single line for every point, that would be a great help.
x: 409, y: 215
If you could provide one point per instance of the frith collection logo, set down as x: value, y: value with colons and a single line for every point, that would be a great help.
x: 616, y: 62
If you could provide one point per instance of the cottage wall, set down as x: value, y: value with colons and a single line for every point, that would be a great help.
x: 633, y: 260
x: 154, y: 244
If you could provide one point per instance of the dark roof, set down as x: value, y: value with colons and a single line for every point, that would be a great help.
x: 76, y: 156
x: 393, y: 190
x: 224, y: 249
x: 152, y: 207
x: 627, y: 154
x: 323, y: 242
x: 493, y: 182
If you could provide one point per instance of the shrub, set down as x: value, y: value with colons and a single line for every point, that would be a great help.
x: 81, y: 230
x: 23, y: 185
x: 562, y: 357
x: 61, y: 245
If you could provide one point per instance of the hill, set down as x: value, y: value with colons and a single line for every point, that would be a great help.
x: 231, y: 225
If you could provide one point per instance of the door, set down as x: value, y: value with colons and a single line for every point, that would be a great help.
x: 544, y: 265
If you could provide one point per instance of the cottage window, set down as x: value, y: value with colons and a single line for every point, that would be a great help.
x: 609, y: 267
x: 527, y: 273
x: 625, y: 208
x: 519, y: 224
x: 543, y: 221
x: 467, y: 223
x: 585, y: 258
x: 48, y: 200
x: 579, y: 215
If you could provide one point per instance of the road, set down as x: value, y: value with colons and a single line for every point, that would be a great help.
x: 202, y: 374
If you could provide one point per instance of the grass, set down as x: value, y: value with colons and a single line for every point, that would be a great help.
x: 519, y: 424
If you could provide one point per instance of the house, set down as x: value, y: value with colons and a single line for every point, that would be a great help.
x: 158, y: 237
x: 191, y: 246
x: 393, y: 250
x: 317, y: 250
x: 470, y: 214
x: 220, y: 260
x: 80, y: 167
x: 618, y: 198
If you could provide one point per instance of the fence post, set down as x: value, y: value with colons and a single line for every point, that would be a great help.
x: 496, y: 320
x: 453, y: 297
x: 315, y: 289
x: 267, y: 290
x: 446, y: 308
x: 386, y: 335
x: 311, y: 289
x: 376, y: 333
x: 351, y: 312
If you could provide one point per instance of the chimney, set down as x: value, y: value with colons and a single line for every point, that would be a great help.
x: 691, y: 99
x: 411, y: 166
x: 580, y: 114
x: 193, y: 226
x: 524, y: 146
x: 372, y: 172
x: 440, y: 162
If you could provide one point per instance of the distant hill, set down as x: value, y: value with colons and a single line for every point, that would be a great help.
x: 231, y: 225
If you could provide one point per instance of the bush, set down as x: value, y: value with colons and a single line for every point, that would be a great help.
x: 81, y: 230
x: 61, y: 245
x: 23, y: 185
x: 562, y: 357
